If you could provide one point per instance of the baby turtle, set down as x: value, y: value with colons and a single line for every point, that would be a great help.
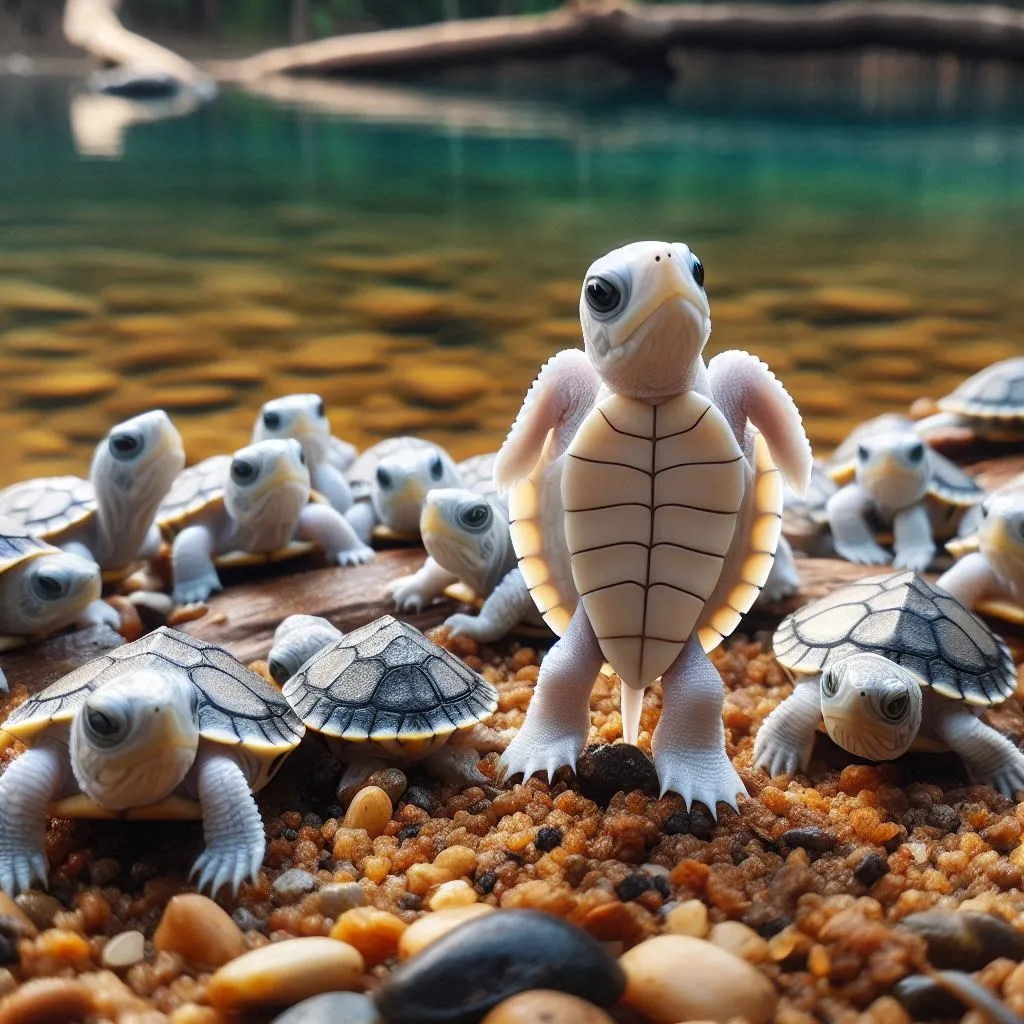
x: 304, y: 418
x: 989, y: 576
x: 42, y: 589
x: 670, y: 505
x: 889, y: 477
x: 990, y: 404
x: 385, y: 694
x: 109, y: 517
x: 804, y: 519
x: 248, y: 508
x: 167, y: 727
x: 893, y: 661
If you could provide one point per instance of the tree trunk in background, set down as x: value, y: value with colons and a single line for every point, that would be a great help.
x: 300, y: 21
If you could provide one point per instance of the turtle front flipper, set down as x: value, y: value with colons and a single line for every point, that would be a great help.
x: 296, y: 639
x: 913, y: 544
x: 786, y: 737
x: 27, y: 788
x: 990, y: 758
x: 192, y: 568
x: 235, y: 841
x: 327, y: 527
x: 414, y: 592
x: 508, y: 605
x: 852, y: 536
x: 971, y: 580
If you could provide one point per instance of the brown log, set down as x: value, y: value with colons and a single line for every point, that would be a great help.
x: 640, y: 33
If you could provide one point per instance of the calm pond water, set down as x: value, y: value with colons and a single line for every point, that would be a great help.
x: 415, y: 254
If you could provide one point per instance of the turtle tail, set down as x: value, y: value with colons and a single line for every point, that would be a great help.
x: 632, y: 704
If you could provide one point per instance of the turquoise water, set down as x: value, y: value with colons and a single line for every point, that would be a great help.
x: 414, y: 253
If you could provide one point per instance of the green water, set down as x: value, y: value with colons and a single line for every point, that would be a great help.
x: 414, y: 253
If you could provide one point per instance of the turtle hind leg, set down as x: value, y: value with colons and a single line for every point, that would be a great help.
x: 786, y: 737
x: 990, y: 758
x: 558, y: 718
x: 508, y: 605
x: 689, y: 741
x: 913, y: 545
x: 784, y: 579
x: 27, y: 787
x: 192, y: 569
x: 852, y: 536
x: 235, y: 841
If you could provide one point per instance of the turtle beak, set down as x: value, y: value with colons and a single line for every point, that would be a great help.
x: 435, y: 523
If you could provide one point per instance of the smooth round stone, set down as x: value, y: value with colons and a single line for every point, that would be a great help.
x: 431, y: 927
x: 464, y: 975
x: 965, y: 940
x: 124, y: 950
x: 293, y: 883
x: 741, y: 940
x: 337, y: 897
x: 674, y: 978
x: 196, y: 928
x: 331, y: 1008
x: 39, y: 907
x: 545, y: 1006
x: 688, y: 918
x: 370, y: 810
x: 284, y: 973
x: 609, y: 768
x: 10, y: 910
x: 48, y: 1001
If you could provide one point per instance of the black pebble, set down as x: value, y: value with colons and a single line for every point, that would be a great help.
x: 487, y: 881
x: 965, y: 940
x: 410, y: 901
x: 924, y: 999
x: 633, y: 885
x: 548, y: 838
x: 944, y: 817
x: 609, y: 768
x: 661, y: 884
x: 409, y: 832
x: 331, y: 1008
x: 290, y: 834
x: 334, y: 811
x: 871, y: 868
x: 677, y: 824
x: 465, y: 974
x: 817, y: 840
x: 419, y: 797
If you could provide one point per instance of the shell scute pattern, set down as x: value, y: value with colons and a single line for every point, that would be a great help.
x: 235, y: 705
x: 17, y: 545
x: 913, y: 624
x: 384, y: 681
x: 997, y: 392
x: 49, y: 506
x: 194, y: 489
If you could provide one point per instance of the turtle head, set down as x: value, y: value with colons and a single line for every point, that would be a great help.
x: 402, y: 482
x: 303, y: 417
x: 871, y: 706
x: 893, y: 468
x: 464, y: 533
x: 267, y: 488
x: 54, y: 589
x: 646, y: 318
x: 1001, y: 535
x: 138, y: 460
x: 296, y: 639
x: 135, y: 738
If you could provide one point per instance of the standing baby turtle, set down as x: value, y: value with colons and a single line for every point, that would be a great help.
x: 990, y: 405
x: 890, y: 478
x: 304, y: 418
x: 385, y: 694
x: 670, y: 505
x: 893, y: 661
x: 989, y: 575
x: 248, y: 508
x: 167, y: 727
x: 42, y: 589
x: 109, y: 517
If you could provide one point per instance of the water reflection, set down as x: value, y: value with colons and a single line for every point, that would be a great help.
x: 99, y: 122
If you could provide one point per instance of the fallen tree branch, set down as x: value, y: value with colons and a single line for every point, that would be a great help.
x: 635, y: 33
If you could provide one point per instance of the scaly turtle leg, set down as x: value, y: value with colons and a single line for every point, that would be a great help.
x: 971, y: 580
x: 414, y: 592
x: 509, y: 604
x: 558, y: 718
x: 362, y: 519
x: 913, y: 544
x: 334, y: 487
x: 852, y: 536
x: 786, y: 737
x: 689, y: 741
x: 27, y: 787
x: 235, y: 841
x: 192, y: 569
x: 990, y: 759
x: 784, y: 579
x: 296, y: 639
x: 327, y: 527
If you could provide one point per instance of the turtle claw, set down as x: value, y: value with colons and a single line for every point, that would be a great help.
x: 20, y: 866
x: 461, y: 624
x: 916, y: 558
x: 866, y: 553
x: 223, y: 864
x: 700, y: 776
x: 198, y: 590
x: 355, y: 556
x: 406, y: 595
x: 545, y: 754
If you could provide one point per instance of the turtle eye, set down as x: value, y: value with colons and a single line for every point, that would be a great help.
x: 476, y: 517
x: 603, y: 296
x: 48, y: 587
x: 697, y: 268
x: 436, y: 468
x: 102, y: 726
x: 243, y: 471
x: 125, y: 446
x: 383, y: 477
x: 863, y: 454
x: 915, y: 453
x: 302, y: 457
x: 894, y: 707
x: 321, y: 409
x: 272, y: 420
x: 829, y: 684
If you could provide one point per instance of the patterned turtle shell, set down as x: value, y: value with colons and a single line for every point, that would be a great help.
x: 18, y: 546
x: 912, y: 623
x: 477, y: 473
x: 194, y: 489
x: 361, y: 473
x: 387, y: 681
x: 51, y: 506
x: 996, y: 393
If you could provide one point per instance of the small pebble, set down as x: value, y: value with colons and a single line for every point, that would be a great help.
x: 548, y: 838
x: 284, y: 973
x: 871, y: 868
x: 817, y: 840
x: 39, y: 907
x: 102, y: 872
x: 331, y: 1008
x: 196, y: 928
x: 924, y: 999
x: 633, y: 885
x: 10, y: 910
x: 337, y: 897
x: 431, y: 927
x: 456, y: 893
x: 674, y: 978
x: 370, y: 810
x: 545, y: 1006
x: 375, y: 933
x: 124, y: 950
x: 294, y: 882
x: 741, y: 940
x: 966, y: 940
x: 488, y: 960
x: 688, y: 918
x: 421, y: 798
x: 608, y: 768
x: 48, y: 1001
x: 392, y: 781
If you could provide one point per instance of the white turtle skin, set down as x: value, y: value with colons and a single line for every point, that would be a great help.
x: 899, y: 482
x: 42, y: 588
x: 646, y: 319
x: 266, y: 505
x: 843, y: 651
x: 166, y: 727
x: 401, y: 483
x: 304, y: 418
x: 990, y: 575
x: 989, y: 405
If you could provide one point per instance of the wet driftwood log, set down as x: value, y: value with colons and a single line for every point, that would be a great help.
x: 639, y: 34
